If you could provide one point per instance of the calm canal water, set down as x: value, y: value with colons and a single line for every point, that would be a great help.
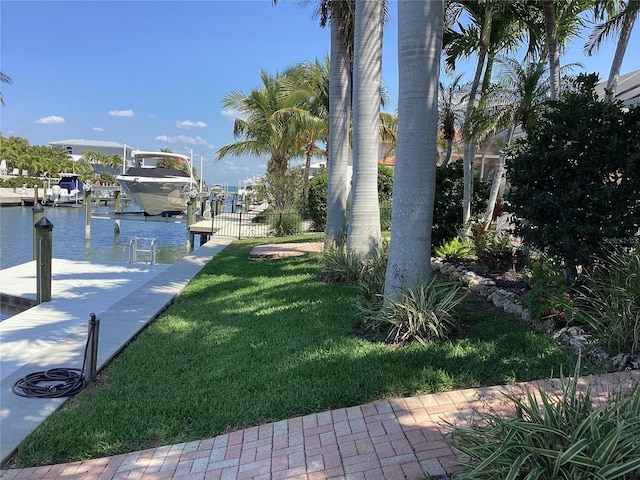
x: 16, y: 236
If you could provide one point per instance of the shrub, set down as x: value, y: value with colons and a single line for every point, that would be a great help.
x: 610, y: 301
x: 285, y: 222
x: 447, y: 212
x: 423, y: 313
x: 317, y: 201
x: 548, y: 298
x: 339, y: 265
x: 555, y: 438
x: 455, y: 248
x: 574, y: 178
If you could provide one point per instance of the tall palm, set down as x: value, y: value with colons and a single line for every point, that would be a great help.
x: 363, y: 235
x: 450, y: 113
x: 306, y: 88
x: 621, y: 21
x: 493, y: 26
x: 340, y: 16
x: 420, y: 27
x: 4, y: 78
x: 264, y: 132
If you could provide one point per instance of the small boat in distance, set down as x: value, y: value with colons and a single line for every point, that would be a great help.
x: 67, y: 192
x: 157, y: 184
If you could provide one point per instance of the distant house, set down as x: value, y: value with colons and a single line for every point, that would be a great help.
x: 627, y: 90
x: 75, y: 148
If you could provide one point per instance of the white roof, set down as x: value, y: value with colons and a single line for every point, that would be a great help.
x: 76, y: 142
x: 627, y: 90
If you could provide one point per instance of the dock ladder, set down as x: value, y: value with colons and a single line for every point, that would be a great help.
x: 144, y: 246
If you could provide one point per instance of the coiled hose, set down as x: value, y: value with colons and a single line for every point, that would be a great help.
x: 55, y: 382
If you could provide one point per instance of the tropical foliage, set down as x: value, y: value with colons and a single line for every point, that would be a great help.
x: 563, y: 437
x: 36, y: 159
x: 575, y: 177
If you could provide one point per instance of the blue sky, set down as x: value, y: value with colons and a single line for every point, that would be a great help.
x: 153, y: 74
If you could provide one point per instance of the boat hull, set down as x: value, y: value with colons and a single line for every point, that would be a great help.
x: 157, y: 195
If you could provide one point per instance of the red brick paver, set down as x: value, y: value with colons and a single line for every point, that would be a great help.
x: 386, y: 440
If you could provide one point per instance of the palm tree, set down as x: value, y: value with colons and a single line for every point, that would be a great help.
x: 265, y: 132
x: 306, y: 87
x: 340, y: 76
x: 494, y: 26
x: 419, y: 45
x: 620, y: 21
x: 363, y: 235
x: 4, y: 78
x: 450, y: 113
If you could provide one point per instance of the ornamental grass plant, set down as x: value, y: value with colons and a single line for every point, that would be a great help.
x: 249, y: 342
x: 552, y: 437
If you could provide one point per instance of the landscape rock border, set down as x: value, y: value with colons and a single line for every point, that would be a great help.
x: 575, y: 338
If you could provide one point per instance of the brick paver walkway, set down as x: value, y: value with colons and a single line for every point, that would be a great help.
x: 386, y: 440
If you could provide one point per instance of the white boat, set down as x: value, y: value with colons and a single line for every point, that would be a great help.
x: 67, y: 192
x: 156, y: 187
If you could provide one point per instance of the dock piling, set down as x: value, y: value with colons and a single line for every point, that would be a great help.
x: 38, y: 213
x: 44, y: 244
x: 87, y: 212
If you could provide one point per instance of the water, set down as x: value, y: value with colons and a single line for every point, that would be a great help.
x: 16, y: 236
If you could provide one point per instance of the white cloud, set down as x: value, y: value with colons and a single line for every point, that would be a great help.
x: 51, y: 120
x: 97, y: 129
x: 188, y: 124
x: 229, y: 113
x: 120, y: 113
x: 230, y: 166
x: 199, y: 141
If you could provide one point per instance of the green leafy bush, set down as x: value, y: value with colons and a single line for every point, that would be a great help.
x: 447, y: 211
x: 455, y: 248
x: 610, y: 300
x: 551, y: 438
x: 548, y: 298
x: 574, y: 178
x: 317, y: 200
x: 424, y: 313
x: 285, y: 222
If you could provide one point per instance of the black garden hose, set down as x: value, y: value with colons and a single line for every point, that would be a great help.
x: 55, y: 382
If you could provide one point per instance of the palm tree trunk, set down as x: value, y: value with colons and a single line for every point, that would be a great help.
x: 616, y: 64
x: 470, y: 146
x: 419, y: 46
x: 338, y: 151
x: 448, y: 154
x: 498, y: 175
x: 549, y: 12
x: 363, y: 235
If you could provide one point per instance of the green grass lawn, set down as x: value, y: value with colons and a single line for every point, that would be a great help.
x: 250, y: 342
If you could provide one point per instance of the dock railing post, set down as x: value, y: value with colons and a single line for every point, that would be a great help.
x: 87, y: 211
x: 92, y: 348
x: 43, y: 261
x: 191, y: 216
x: 117, y: 209
x: 38, y: 213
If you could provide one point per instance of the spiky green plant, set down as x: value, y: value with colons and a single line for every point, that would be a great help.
x: 610, y: 303
x: 555, y: 438
x: 339, y: 265
x: 455, y: 248
x: 424, y: 313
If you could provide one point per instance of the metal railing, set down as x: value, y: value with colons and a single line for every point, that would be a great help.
x: 145, y: 246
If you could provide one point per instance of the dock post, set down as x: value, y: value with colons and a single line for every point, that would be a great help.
x: 36, y: 198
x: 38, y: 213
x: 87, y: 212
x: 92, y: 348
x: 191, y: 217
x: 117, y: 205
x: 43, y: 261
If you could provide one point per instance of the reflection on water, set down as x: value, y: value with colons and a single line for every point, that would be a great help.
x: 16, y: 236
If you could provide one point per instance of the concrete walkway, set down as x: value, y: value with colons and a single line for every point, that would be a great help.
x: 125, y: 297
